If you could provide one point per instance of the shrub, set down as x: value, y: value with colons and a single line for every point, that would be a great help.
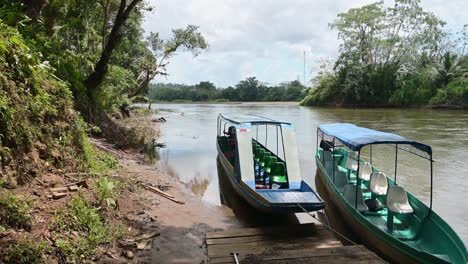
x: 106, y: 192
x: 90, y: 231
x: 23, y: 252
x: 455, y: 93
x: 14, y: 212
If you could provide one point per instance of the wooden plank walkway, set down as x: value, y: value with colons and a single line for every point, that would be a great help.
x: 307, y: 243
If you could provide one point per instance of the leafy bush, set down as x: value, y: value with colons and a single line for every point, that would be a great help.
x: 14, y: 212
x: 36, y: 110
x: 323, y: 92
x: 89, y: 228
x: 113, y: 90
x: 23, y: 252
x: 455, y: 93
x: 417, y: 90
x: 105, y: 191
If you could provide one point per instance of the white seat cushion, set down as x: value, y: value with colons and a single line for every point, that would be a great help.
x: 397, y: 200
x: 378, y: 183
x: 351, y: 161
x: 365, y: 171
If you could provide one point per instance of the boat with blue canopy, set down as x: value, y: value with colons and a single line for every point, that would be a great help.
x: 259, y: 157
x: 371, y: 204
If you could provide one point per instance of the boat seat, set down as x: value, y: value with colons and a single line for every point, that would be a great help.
x: 349, y: 193
x: 351, y: 161
x: 378, y: 183
x: 269, y: 162
x: 264, y: 158
x: 365, y: 171
x: 278, y: 173
x: 260, y: 153
x: 397, y: 200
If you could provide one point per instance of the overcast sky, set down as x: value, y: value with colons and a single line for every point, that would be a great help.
x: 264, y: 38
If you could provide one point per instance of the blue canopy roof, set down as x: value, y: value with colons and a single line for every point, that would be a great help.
x: 356, y: 137
x: 252, y: 119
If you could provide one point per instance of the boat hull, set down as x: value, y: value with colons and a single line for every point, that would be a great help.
x: 338, y: 213
x: 255, y: 200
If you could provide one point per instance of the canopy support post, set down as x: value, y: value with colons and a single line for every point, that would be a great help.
x: 396, y: 160
x: 277, y: 143
x: 333, y: 156
x: 358, y: 182
x: 430, y: 203
x: 256, y: 131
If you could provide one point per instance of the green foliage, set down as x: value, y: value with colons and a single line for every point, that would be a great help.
x: 247, y: 90
x: 390, y: 55
x: 455, y: 93
x: 89, y: 228
x: 92, y: 159
x: 323, y: 92
x: 113, y: 90
x: 14, y: 211
x: 106, y: 192
x: 417, y: 90
x: 23, y: 252
x: 36, y: 109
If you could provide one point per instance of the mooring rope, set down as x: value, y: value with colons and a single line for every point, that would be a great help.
x: 336, y: 232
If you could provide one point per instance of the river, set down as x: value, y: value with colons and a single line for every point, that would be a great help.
x: 190, y: 134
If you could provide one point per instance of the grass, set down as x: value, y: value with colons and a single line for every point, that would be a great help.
x: 23, y: 251
x: 89, y: 230
x: 14, y: 212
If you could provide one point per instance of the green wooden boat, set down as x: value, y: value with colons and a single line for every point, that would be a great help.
x: 373, y: 207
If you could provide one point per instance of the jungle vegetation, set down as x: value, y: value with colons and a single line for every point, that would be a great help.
x: 398, y: 55
x: 248, y: 90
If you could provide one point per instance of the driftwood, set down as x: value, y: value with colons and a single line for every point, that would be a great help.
x: 159, y: 120
x: 163, y: 194
x: 102, y: 147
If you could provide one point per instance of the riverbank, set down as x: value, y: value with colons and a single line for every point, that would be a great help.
x: 181, y: 227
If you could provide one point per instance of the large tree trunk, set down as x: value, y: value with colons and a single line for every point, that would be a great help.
x: 97, y: 76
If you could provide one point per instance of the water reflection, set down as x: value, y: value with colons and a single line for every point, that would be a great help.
x: 191, y: 151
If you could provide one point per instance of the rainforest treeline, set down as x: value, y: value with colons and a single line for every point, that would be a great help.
x: 248, y: 90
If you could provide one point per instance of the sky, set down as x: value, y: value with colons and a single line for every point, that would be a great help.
x: 264, y: 38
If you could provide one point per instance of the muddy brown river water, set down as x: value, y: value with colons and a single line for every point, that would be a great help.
x: 190, y: 134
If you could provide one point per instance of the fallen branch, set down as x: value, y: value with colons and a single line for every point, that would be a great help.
x: 160, y: 191
x: 163, y: 194
x: 101, y: 146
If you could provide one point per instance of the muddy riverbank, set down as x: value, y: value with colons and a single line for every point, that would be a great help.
x: 181, y: 226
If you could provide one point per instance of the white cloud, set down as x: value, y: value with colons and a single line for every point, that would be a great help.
x: 262, y: 38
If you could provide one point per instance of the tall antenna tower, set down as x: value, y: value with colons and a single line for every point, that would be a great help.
x: 304, y: 70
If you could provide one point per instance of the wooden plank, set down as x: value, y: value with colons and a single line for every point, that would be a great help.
x: 346, y: 254
x: 293, y: 229
x: 263, y: 237
x: 259, y: 247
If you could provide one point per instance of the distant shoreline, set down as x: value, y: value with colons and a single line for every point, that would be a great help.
x: 230, y: 102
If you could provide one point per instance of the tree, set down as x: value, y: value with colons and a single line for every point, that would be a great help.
x: 248, y: 89
x: 449, y: 67
x: 189, y: 38
x: 97, y: 76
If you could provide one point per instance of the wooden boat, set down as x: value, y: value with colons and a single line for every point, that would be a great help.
x: 378, y: 211
x: 259, y: 157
